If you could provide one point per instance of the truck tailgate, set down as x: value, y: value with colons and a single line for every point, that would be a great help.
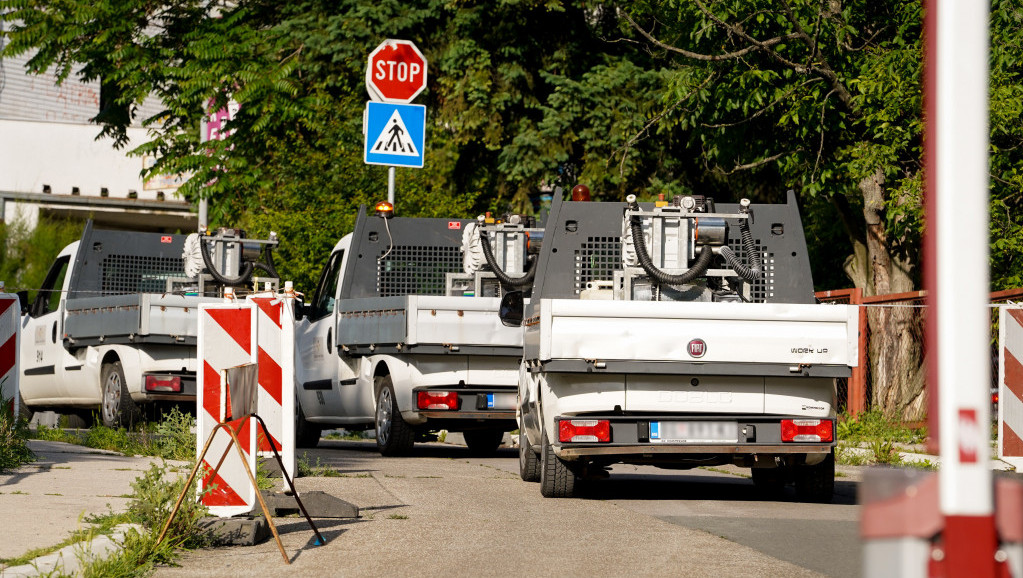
x: 751, y: 333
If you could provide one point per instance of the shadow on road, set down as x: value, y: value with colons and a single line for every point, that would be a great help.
x: 695, y: 487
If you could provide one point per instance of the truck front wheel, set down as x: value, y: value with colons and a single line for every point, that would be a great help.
x: 816, y: 483
x: 529, y: 464
x: 556, y: 479
x: 118, y: 409
x: 394, y: 436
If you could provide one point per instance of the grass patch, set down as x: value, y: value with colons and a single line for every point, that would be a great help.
x: 14, y: 450
x: 873, y: 425
x: 170, y: 439
x: 397, y: 517
x: 346, y: 435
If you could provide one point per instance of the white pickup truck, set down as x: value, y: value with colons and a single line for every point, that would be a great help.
x: 402, y: 334
x: 103, y: 334
x: 678, y: 336
x: 113, y: 328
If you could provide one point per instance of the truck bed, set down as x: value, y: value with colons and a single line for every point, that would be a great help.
x: 425, y: 324
x: 136, y: 318
x: 750, y: 338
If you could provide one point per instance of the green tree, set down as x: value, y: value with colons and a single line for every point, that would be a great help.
x: 826, y: 96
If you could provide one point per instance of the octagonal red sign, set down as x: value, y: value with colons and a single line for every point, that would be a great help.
x: 396, y: 71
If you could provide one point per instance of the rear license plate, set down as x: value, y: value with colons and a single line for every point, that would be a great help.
x: 501, y: 400
x: 693, y: 432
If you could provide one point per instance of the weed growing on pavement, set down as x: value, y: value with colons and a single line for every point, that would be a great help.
x: 885, y: 452
x: 55, y: 434
x: 305, y: 469
x: 397, y: 517
x: 847, y: 456
x: 13, y: 433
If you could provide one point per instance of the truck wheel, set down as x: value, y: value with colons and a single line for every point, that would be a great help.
x: 556, y: 480
x: 769, y: 482
x: 483, y: 442
x: 529, y: 464
x: 816, y: 483
x: 394, y: 436
x: 118, y: 409
x: 307, y: 435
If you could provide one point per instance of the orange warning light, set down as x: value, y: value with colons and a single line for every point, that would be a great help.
x: 384, y: 209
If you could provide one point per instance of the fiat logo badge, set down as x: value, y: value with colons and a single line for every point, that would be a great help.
x: 697, y: 348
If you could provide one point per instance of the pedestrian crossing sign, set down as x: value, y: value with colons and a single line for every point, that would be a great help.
x: 395, y: 134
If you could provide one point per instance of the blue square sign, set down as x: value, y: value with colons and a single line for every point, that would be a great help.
x: 395, y: 134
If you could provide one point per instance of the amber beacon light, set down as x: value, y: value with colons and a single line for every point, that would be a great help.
x: 384, y: 209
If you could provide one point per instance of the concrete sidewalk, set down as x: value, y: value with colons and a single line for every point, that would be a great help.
x: 41, y: 503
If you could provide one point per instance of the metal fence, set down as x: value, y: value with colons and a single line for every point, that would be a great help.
x: 902, y: 316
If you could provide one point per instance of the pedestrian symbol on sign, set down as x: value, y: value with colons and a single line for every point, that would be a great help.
x: 394, y: 139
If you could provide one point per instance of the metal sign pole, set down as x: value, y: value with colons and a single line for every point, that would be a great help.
x: 390, y: 185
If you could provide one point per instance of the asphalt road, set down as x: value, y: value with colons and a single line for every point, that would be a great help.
x: 441, y: 512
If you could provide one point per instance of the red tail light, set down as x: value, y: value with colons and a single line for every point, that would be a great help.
x: 584, y: 430
x: 437, y: 400
x: 807, y: 430
x: 163, y: 384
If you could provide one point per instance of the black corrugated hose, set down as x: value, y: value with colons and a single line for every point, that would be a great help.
x: 516, y: 282
x: 699, y: 268
x: 747, y: 272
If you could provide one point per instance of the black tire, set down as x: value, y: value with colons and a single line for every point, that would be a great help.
x: 816, y: 483
x: 307, y: 435
x: 117, y: 408
x: 483, y: 442
x: 556, y: 479
x: 394, y: 436
x: 529, y: 463
x: 769, y: 482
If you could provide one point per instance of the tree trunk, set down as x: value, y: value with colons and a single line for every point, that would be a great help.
x: 895, y: 351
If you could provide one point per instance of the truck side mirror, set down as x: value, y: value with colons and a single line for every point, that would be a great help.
x: 23, y: 301
x: 300, y: 310
x: 511, y: 309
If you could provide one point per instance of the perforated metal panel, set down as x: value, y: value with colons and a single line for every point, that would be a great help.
x: 138, y: 274
x: 763, y: 289
x: 417, y: 269
x: 597, y: 259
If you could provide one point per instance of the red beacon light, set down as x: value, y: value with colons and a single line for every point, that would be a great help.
x: 384, y: 209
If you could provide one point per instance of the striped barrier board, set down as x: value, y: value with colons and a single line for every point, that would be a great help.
x: 10, y: 332
x: 225, y: 340
x: 1010, y: 385
x: 275, y: 337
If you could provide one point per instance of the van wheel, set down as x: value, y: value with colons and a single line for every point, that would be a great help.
x: 394, y: 436
x: 529, y: 464
x: 556, y: 479
x: 816, y: 483
x: 307, y: 435
x: 117, y: 408
x: 483, y: 442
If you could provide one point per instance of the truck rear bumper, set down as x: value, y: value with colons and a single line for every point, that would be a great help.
x: 578, y: 450
x: 477, y: 404
x: 739, y: 435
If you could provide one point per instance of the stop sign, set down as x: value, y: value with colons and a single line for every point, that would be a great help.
x: 396, y: 71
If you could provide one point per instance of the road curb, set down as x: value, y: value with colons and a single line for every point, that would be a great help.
x: 68, y: 560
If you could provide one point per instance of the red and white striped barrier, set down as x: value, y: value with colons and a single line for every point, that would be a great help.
x: 275, y: 337
x: 1010, y: 385
x: 225, y: 339
x: 10, y: 331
